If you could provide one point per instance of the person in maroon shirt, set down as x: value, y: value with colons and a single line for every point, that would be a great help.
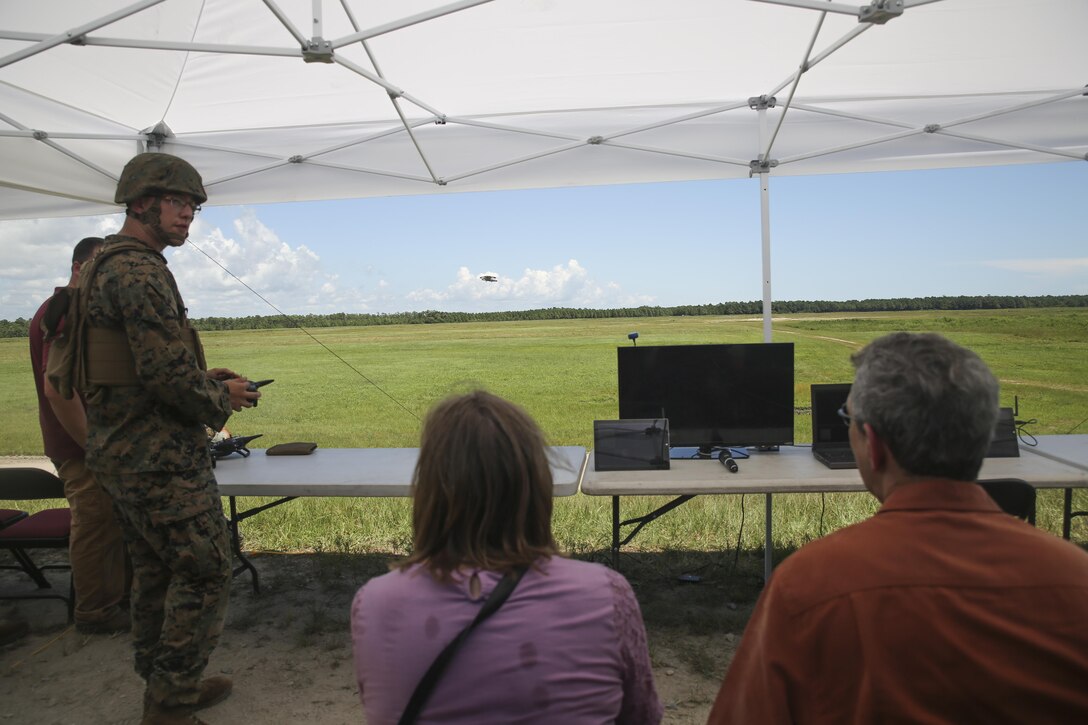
x: 96, y: 549
x: 941, y: 607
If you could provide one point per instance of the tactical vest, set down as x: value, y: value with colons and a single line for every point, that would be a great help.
x: 81, y: 355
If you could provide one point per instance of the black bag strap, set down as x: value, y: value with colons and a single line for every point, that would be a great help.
x: 434, y: 672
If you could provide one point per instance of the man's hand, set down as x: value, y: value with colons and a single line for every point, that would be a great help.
x: 220, y: 374
x: 69, y: 412
x: 240, y: 395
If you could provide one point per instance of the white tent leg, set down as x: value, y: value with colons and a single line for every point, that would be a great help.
x: 765, y: 224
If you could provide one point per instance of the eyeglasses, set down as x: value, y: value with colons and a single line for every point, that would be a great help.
x: 845, y: 415
x: 180, y: 204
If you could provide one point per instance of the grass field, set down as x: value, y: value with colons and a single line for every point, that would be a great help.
x: 369, y: 386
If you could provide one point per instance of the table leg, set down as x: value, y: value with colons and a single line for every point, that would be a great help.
x: 1067, y: 513
x: 616, y: 533
x: 236, y: 545
x: 638, y: 522
x: 237, y: 517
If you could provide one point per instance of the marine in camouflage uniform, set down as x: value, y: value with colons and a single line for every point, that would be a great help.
x: 147, y: 443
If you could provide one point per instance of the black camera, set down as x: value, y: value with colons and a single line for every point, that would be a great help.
x: 254, y: 384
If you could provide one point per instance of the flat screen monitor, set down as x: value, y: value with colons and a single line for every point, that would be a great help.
x: 713, y: 395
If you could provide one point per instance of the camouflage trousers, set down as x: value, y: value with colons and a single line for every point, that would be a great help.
x: 181, y: 566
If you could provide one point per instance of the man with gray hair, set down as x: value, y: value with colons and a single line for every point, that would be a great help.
x: 941, y: 607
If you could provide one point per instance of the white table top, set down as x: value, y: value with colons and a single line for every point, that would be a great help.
x: 1069, y: 449
x: 355, y: 472
x: 794, y: 470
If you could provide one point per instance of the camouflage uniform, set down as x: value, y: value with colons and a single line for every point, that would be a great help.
x: 148, y: 449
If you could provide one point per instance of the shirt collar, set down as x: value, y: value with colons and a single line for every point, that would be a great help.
x: 939, y: 494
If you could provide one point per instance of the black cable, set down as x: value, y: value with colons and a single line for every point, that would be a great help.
x: 823, y: 506
x: 1024, y: 435
x: 740, y: 530
x: 308, y: 333
x: 1078, y: 425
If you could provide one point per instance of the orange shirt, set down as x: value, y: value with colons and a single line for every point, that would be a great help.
x: 940, y: 608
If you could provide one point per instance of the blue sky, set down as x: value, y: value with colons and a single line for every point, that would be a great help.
x: 1015, y: 230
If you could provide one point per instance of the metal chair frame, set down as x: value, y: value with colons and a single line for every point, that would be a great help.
x: 30, y: 484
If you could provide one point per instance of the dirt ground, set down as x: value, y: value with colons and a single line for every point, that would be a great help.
x: 288, y: 647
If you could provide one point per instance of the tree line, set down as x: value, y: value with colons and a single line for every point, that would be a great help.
x: 18, y: 327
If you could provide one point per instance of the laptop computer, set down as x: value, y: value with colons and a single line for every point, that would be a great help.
x: 1004, y: 443
x: 830, y: 436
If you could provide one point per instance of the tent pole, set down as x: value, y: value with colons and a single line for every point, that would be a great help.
x: 765, y: 226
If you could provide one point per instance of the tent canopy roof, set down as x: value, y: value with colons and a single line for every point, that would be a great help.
x: 300, y: 100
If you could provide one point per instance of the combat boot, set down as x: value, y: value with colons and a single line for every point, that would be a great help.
x: 160, y: 716
x: 213, y: 690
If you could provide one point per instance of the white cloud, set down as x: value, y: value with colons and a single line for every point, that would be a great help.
x: 38, y: 257
x: 290, y: 278
x: 564, y: 285
x: 38, y: 253
x: 293, y: 278
x: 1046, y: 267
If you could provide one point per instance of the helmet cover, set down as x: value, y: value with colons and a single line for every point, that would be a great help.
x: 155, y: 173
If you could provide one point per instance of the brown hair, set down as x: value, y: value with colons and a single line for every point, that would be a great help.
x: 86, y: 248
x: 482, y: 489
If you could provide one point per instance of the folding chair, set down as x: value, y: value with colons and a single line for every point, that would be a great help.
x: 10, y: 516
x: 47, y: 529
x: 1015, y: 496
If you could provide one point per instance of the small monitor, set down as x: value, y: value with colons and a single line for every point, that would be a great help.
x: 713, y: 395
x: 631, y: 445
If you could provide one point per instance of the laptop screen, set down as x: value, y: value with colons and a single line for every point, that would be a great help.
x: 827, y: 426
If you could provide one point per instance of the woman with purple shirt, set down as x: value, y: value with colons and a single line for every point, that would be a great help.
x: 568, y: 646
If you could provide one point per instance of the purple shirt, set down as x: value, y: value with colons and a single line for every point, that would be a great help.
x: 568, y: 646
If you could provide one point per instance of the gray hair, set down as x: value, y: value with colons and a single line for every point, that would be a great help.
x: 933, y: 402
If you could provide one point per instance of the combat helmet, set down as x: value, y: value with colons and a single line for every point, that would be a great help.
x: 155, y: 173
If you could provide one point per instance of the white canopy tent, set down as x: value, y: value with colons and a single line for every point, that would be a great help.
x: 314, y: 99
x: 293, y: 100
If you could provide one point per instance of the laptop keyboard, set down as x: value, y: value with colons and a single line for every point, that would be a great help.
x: 842, y: 457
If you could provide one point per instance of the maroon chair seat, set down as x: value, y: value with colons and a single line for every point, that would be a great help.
x: 10, y: 516
x: 45, y: 526
x: 46, y: 529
